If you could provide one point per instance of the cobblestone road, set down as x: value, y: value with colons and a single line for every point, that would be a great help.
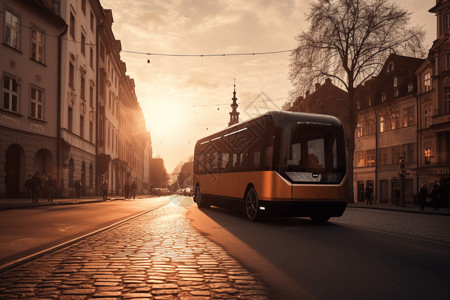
x: 156, y: 256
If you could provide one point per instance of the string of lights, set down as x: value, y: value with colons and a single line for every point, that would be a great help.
x: 174, y: 54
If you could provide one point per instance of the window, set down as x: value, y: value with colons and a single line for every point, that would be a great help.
x: 91, y: 176
x: 369, y: 100
x: 383, y: 97
x: 70, y: 119
x: 83, y: 6
x: 359, y: 130
x: 91, y: 132
x: 396, y: 93
x: 410, y: 87
x: 370, y: 158
x: 408, y: 116
x: 427, y: 82
x: 12, y: 29
x: 395, y: 81
x: 37, y: 45
x: 390, y: 67
x: 102, y: 51
x: 447, y: 99
x: 71, y: 173
x: 109, y: 136
x: 446, y: 21
x: 91, y: 57
x: 82, y: 87
x: 360, y: 161
x: 10, y: 94
x: 395, y: 116
x: 37, y: 103
x: 92, y: 21
x: 396, y: 153
x: 71, y: 76
x: 426, y: 117
x: 72, y: 25
x: 382, y: 124
x: 83, y: 44
x: 82, y: 127
x: 91, y: 96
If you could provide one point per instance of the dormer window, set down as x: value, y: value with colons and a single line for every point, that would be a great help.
x: 390, y: 67
x: 395, y: 81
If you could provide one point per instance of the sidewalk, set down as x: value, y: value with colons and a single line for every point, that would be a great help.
x: 20, y: 203
x: 408, y: 208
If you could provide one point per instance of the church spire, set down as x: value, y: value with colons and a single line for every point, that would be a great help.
x: 234, y: 115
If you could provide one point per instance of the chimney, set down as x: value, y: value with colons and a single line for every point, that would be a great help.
x: 328, y: 81
x: 317, y: 86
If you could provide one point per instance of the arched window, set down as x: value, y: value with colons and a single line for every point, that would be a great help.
x: 71, y: 172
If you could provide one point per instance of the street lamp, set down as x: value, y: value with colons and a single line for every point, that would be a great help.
x: 427, y: 155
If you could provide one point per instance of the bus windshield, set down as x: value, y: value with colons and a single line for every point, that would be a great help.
x: 314, y: 153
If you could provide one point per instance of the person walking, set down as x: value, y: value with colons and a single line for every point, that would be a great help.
x: 29, y: 186
x: 368, y: 195
x: 423, y: 195
x: 133, y: 189
x: 36, y: 187
x: 50, y: 188
x: 77, y: 188
x: 105, y: 189
x: 434, y: 195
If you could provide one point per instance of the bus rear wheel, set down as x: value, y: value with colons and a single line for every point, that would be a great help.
x: 201, y: 202
x: 251, y: 204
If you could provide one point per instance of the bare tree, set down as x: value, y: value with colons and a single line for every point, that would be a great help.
x: 349, y: 40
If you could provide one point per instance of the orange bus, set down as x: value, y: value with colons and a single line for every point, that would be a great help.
x: 279, y: 164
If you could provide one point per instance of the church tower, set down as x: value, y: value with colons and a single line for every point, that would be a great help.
x: 234, y: 115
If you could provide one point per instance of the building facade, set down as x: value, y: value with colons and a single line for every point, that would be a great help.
x: 434, y: 107
x: 109, y: 75
x: 78, y: 107
x: 386, y: 133
x: 30, y: 33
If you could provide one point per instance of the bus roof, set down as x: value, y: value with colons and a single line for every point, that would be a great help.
x: 280, y: 118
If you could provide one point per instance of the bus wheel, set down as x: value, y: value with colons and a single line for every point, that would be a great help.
x: 199, y: 199
x: 251, y: 204
x: 320, y: 219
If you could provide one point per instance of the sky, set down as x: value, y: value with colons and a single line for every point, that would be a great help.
x: 186, y: 98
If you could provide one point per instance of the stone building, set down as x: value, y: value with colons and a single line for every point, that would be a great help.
x: 30, y: 33
x: 434, y: 106
x: 386, y: 133
x: 78, y: 107
x: 110, y: 73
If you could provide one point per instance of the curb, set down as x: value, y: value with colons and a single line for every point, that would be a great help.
x: 401, y: 210
x: 31, y: 257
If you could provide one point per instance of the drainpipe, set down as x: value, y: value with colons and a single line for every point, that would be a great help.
x: 417, y: 144
x: 58, y: 120
x: 376, y: 156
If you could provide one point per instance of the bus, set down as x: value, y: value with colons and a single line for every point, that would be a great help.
x: 277, y: 164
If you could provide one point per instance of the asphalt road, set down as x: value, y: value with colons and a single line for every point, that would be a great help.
x: 366, y: 254
x: 27, y: 231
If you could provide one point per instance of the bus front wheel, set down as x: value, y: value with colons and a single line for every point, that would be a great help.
x: 201, y: 202
x: 251, y: 204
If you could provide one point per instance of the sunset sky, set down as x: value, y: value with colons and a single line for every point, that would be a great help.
x: 186, y: 98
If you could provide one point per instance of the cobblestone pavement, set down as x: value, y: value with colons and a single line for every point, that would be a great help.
x: 156, y: 256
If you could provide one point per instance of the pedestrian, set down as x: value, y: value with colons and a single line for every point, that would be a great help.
x: 423, y: 195
x: 127, y: 190
x: 434, y: 195
x: 36, y: 187
x: 368, y: 194
x: 133, y: 189
x: 105, y: 189
x: 50, y: 188
x: 29, y: 185
x: 78, y: 186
